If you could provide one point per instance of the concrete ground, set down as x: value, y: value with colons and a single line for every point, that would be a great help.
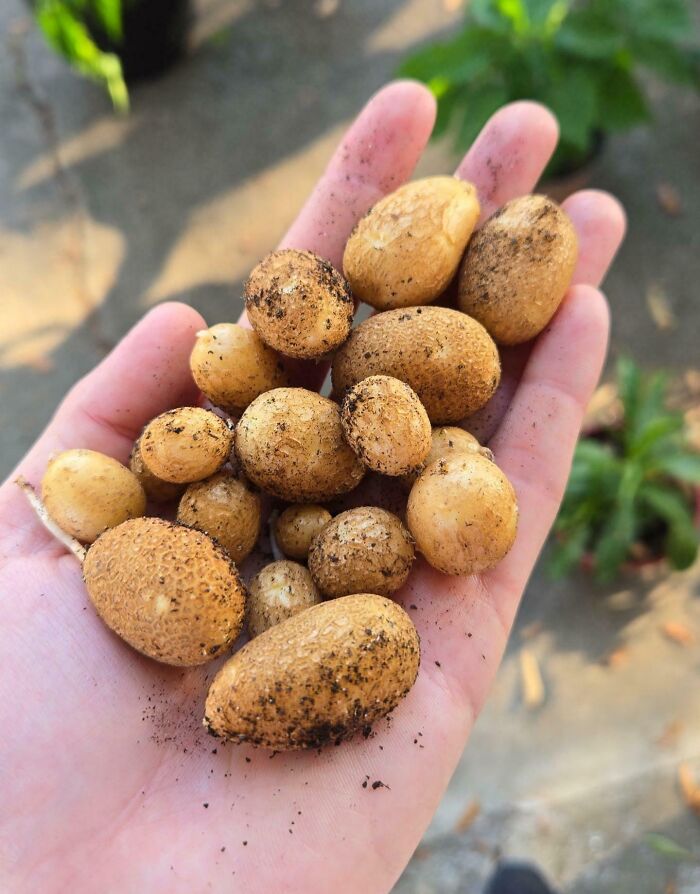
x: 102, y: 217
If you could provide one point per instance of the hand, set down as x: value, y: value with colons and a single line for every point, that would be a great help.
x: 108, y: 782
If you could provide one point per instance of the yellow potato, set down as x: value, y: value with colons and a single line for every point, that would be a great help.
x: 297, y: 526
x: 277, y: 592
x: 185, y: 445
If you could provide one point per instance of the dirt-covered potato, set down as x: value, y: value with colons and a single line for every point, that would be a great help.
x: 362, y: 550
x: 232, y: 365
x: 463, y: 514
x: 449, y: 360
x: 445, y: 441
x: 386, y: 425
x: 86, y: 492
x: 225, y: 507
x: 168, y: 590
x: 280, y: 590
x: 297, y: 526
x: 517, y: 269
x: 185, y: 445
x: 317, y: 678
x: 290, y: 443
x: 156, y: 490
x: 407, y: 248
x: 299, y: 304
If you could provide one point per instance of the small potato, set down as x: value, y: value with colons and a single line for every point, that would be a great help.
x: 156, y: 490
x: 299, y: 304
x: 364, y: 549
x: 446, y: 440
x: 280, y: 590
x: 232, y: 365
x: 296, y: 528
x: 449, y: 360
x: 386, y: 425
x: 185, y: 445
x: 463, y: 514
x: 290, y: 443
x: 169, y: 591
x: 318, y: 677
x: 407, y: 248
x: 86, y: 492
x: 225, y: 507
x: 518, y: 268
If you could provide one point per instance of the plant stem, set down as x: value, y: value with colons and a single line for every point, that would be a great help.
x: 69, y: 542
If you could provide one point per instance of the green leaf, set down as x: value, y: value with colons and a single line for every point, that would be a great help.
x: 671, y: 62
x: 109, y: 14
x: 667, y: 847
x: 568, y: 552
x: 487, y: 14
x: 674, y: 509
x: 620, y: 530
x: 572, y: 96
x: 478, y: 108
x: 654, y: 433
x: 459, y: 60
x: 629, y: 381
x: 682, y: 466
x: 621, y: 103
x: 589, y: 35
x: 658, y: 19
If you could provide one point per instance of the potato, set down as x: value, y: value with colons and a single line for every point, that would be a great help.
x: 362, y: 550
x: 448, y: 359
x: 278, y: 591
x: 318, y: 677
x: 407, y: 248
x: 446, y: 440
x: 232, y: 365
x: 299, y: 304
x: 386, y: 425
x: 517, y: 269
x: 86, y: 492
x: 168, y: 590
x: 463, y: 514
x: 296, y: 528
x: 290, y: 443
x: 185, y: 445
x: 225, y: 507
x: 156, y: 490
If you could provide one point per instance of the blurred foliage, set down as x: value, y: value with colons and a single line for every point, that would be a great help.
x: 638, y: 481
x: 582, y: 58
x: 67, y: 26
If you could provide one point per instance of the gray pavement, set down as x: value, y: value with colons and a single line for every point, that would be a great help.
x: 101, y: 217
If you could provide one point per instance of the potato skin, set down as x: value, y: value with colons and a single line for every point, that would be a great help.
x: 227, y: 509
x: 517, y: 269
x: 290, y: 443
x: 297, y: 526
x: 156, y: 490
x: 86, y: 492
x: 277, y: 592
x: 318, y: 677
x: 407, y: 248
x: 463, y: 514
x: 445, y: 441
x: 363, y: 549
x: 386, y: 425
x: 185, y: 445
x: 232, y: 365
x: 299, y: 304
x: 449, y: 360
x: 168, y: 590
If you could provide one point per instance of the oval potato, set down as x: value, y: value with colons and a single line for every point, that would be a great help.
x: 449, y: 360
x: 157, y: 491
x: 407, y: 248
x: 517, y: 269
x: 445, y: 441
x: 185, y: 445
x: 318, y: 677
x: 297, y: 526
x: 277, y: 592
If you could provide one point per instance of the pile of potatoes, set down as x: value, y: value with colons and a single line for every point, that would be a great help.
x: 329, y: 650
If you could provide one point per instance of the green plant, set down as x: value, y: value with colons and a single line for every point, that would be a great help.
x: 580, y: 57
x: 632, y: 484
x: 67, y: 26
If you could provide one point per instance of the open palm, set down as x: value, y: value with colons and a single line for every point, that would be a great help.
x: 107, y: 781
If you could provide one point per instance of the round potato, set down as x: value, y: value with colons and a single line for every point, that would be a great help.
x: 280, y: 590
x: 225, y: 507
x: 297, y: 526
x: 449, y: 360
x: 232, y: 365
x: 517, y: 269
x: 290, y: 443
x: 86, y: 492
x: 361, y: 547
x: 185, y: 445
x: 463, y: 514
x: 447, y: 440
x: 299, y: 304
x: 318, y: 677
x: 386, y: 425
x: 156, y: 490
x: 407, y: 248
x: 169, y: 591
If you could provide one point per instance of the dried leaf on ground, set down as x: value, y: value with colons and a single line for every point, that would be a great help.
x: 689, y: 787
x: 617, y: 658
x: 604, y: 408
x: 678, y: 633
x: 531, y: 678
x: 660, y: 308
x: 531, y: 630
x: 670, y: 734
x: 473, y: 809
x: 669, y: 199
